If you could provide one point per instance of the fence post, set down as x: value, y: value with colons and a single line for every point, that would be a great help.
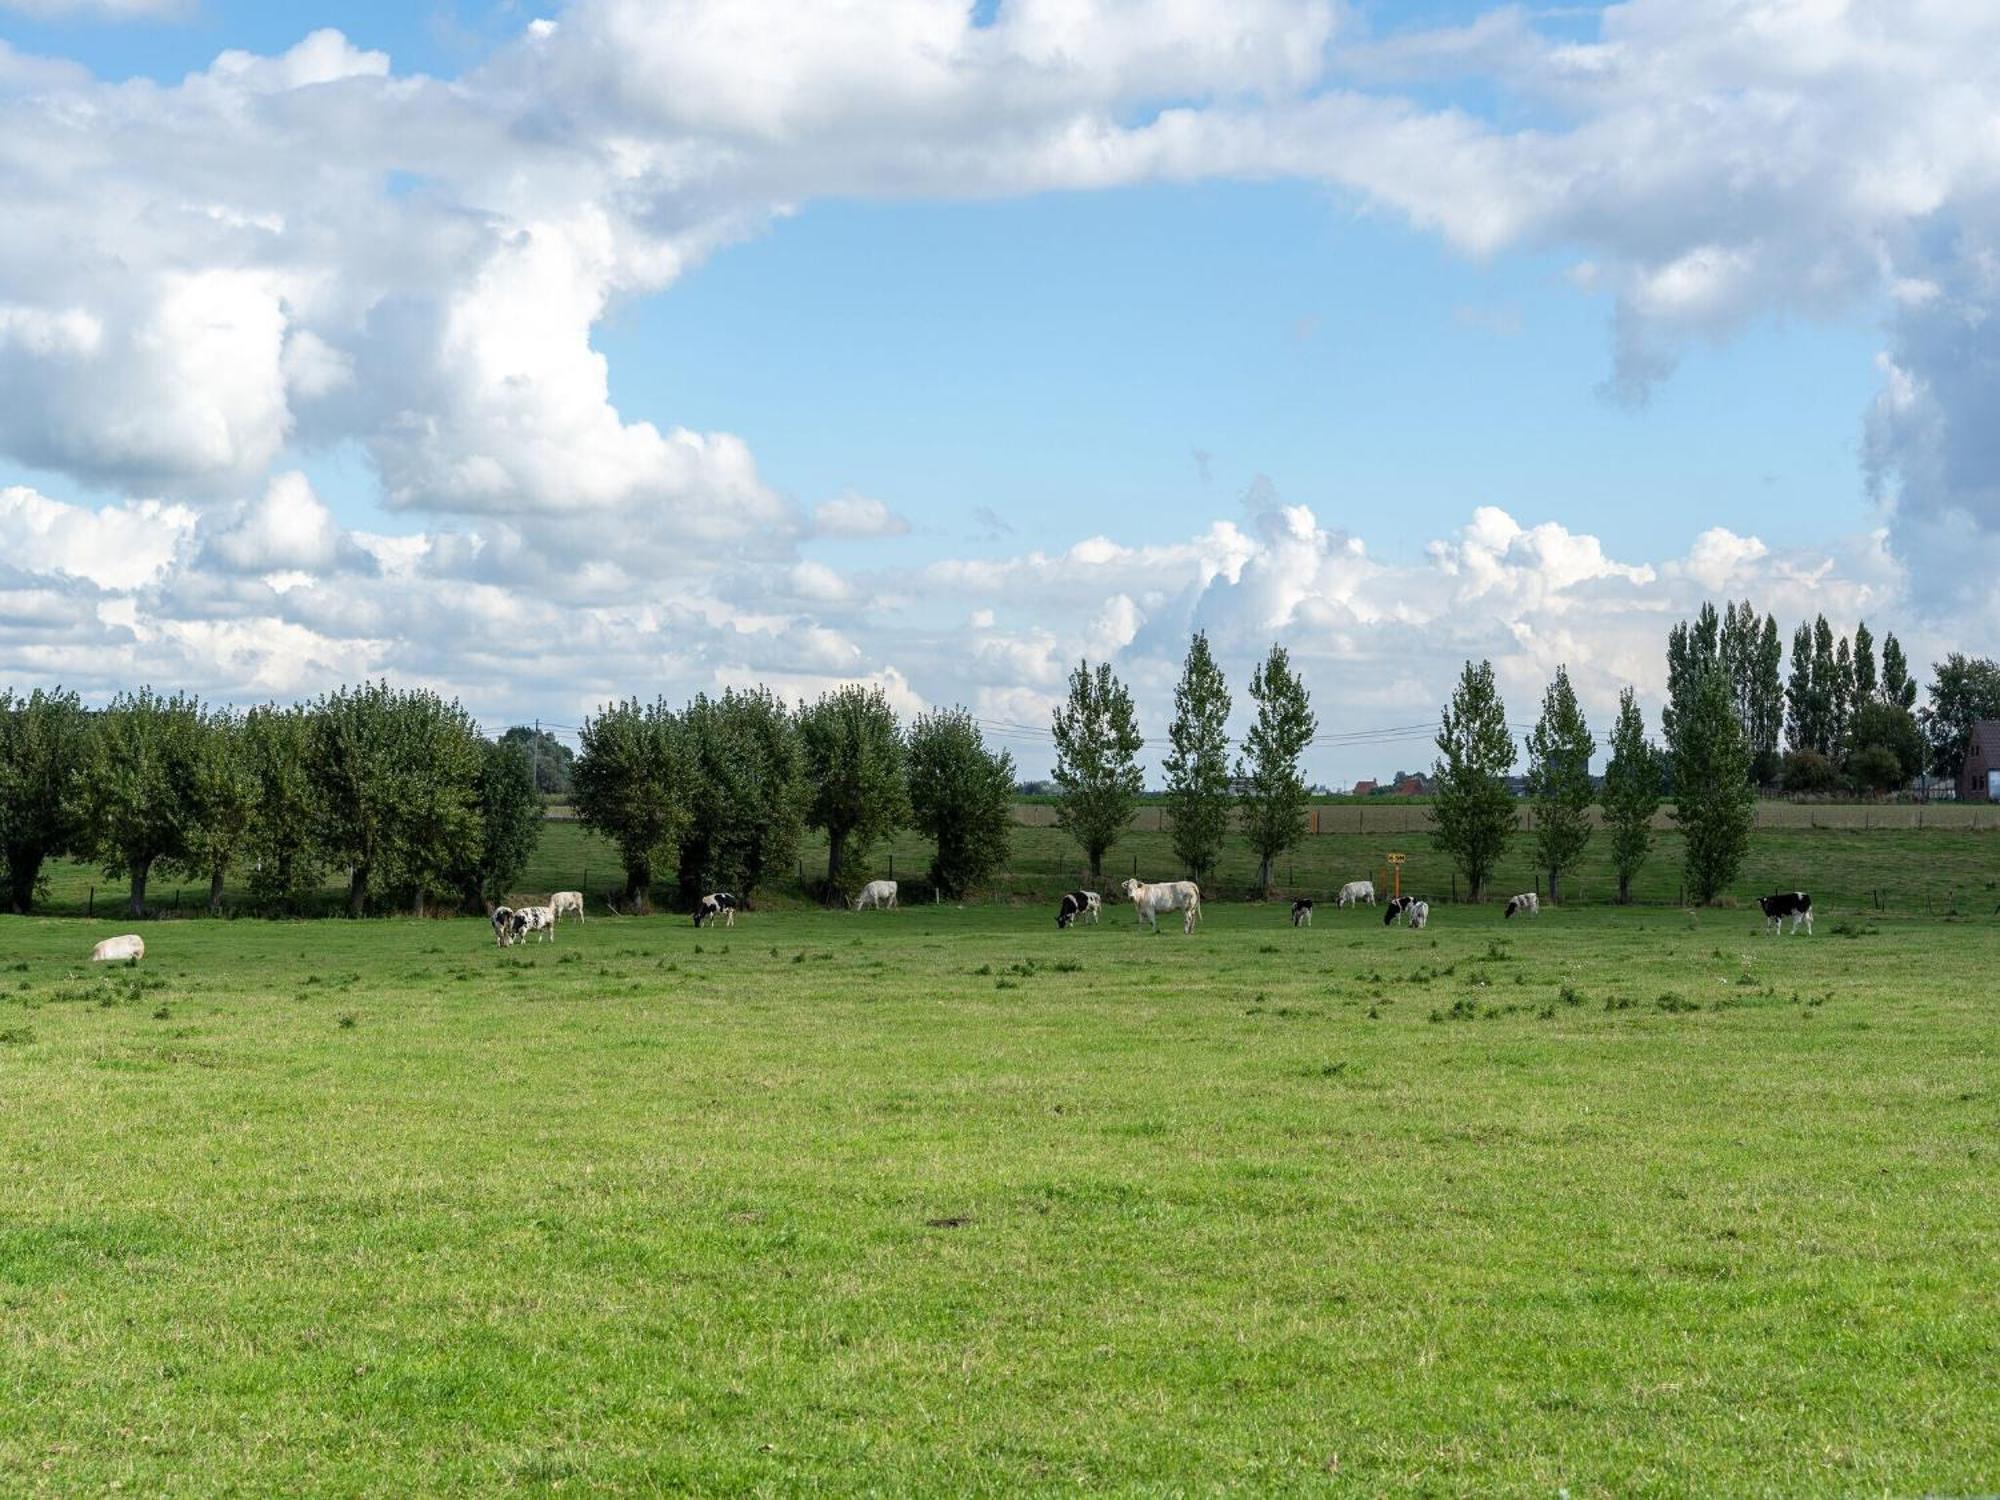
x: 90, y: 910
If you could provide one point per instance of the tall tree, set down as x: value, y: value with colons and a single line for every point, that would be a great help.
x: 1737, y: 652
x: 1963, y: 690
x: 1559, y: 782
x: 44, y: 747
x: 1274, y: 784
x: 1767, y: 712
x: 223, y: 802
x: 1714, y: 801
x: 138, y: 790
x: 1866, y: 685
x: 1885, y: 747
x: 962, y: 798
x: 1197, y: 762
x: 1691, y: 651
x: 631, y: 787
x: 548, y: 758
x: 1825, y: 691
x: 854, y: 769
x: 1898, y: 686
x: 510, y: 824
x: 1801, y: 717
x: 748, y: 798
x: 1473, y: 814
x: 285, y: 856
x: 1842, y: 695
x: 1631, y: 793
x: 1097, y: 768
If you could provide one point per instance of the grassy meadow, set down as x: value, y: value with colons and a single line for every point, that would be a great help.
x: 944, y: 1201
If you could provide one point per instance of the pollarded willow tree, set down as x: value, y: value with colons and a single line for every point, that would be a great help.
x: 510, y: 824
x: 961, y: 798
x: 854, y: 772
x: 137, y: 791
x: 44, y: 745
x: 1271, y: 766
x: 1632, y: 785
x: 1097, y: 767
x: 630, y: 783
x: 1197, y: 762
x: 1473, y: 812
x: 1559, y: 782
x: 222, y: 802
x: 286, y: 859
x: 748, y: 802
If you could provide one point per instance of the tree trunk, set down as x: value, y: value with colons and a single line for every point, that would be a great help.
x: 638, y: 888
x: 836, y: 849
x: 24, y: 867
x: 140, y: 870
x: 1096, y: 866
x: 215, y: 892
x: 357, y: 890
x: 1555, y: 887
x: 1624, y: 889
x: 417, y: 903
x: 1264, y: 875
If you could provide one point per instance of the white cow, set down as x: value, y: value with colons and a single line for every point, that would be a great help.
x: 535, y: 919
x: 563, y: 901
x: 1527, y: 904
x: 1417, y: 913
x: 119, y: 949
x: 1357, y: 891
x: 880, y: 894
x: 1172, y: 895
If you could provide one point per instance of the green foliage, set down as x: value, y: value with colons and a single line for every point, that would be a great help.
x: 1963, y: 690
x: 1197, y: 762
x: 1274, y: 785
x: 1559, y: 782
x: 631, y: 785
x: 1899, y: 688
x: 1767, y: 703
x: 1714, y: 801
x: 1866, y: 685
x: 1632, y: 782
x: 857, y: 793
x: 1473, y: 813
x: 1691, y: 651
x: 510, y: 823
x: 1875, y: 768
x: 396, y: 783
x: 1882, y: 726
x: 962, y: 798
x: 550, y: 760
x: 1097, y: 744
x: 747, y: 796
x: 1807, y: 772
x: 44, y: 747
x: 285, y: 856
x: 138, y: 790
x: 223, y: 802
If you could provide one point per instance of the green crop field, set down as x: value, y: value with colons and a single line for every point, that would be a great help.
x: 945, y: 1201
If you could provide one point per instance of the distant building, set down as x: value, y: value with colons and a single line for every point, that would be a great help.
x: 1365, y: 788
x: 1412, y: 785
x: 1980, y: 780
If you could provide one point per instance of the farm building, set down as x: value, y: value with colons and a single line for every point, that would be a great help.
x: 1980, y: 780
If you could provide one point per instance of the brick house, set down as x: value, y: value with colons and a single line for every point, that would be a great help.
x: 1980, y: 780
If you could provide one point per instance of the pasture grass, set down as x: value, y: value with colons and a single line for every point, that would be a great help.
x: 944, y: 1201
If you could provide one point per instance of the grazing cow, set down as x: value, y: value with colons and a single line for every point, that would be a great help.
x: 880, y: 894
x: 1418, y: 913
x: 563, y: 901
x: 536, y: 919
x: 1073, y: 908
x: 503, y: 926
x: 1357, y: 891
x: 1172, y: 895
x: 1302, y: 912
x: 1093, y: 904
x: 1528, y: 904
x: 1794, y: 904
x: 1394, y: 909
x: 716, y: 904
x: 118, y: 950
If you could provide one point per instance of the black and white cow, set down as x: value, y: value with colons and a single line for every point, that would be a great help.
x: 503, y: 926
x: 1794, y: 904
x: 1527, y: 904
x: 716, y: 904
x: 1395, y: 908
x: 1302, y: 912
x: 1070, y: 910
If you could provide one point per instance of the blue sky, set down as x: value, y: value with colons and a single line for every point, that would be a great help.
x: 731, y: 340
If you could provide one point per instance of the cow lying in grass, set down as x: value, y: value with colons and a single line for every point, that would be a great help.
x: 1794, y: 904
x: 127, y: 949
x: 1170, y: 895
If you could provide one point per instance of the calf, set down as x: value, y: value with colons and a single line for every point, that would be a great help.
x: 1794, y: 904
x: 716, y: 904
x: 535, y: 919
x: 1528, y: 904
x: 563, y: 901
x: 1394, y: 909
x: 1072, y: 907
x: 129, y: 948
x: 1418, y: 913
x: 503, y: 926
x: 1302, y: 912
x: 1172, y: 895
x: 880, y: 894
x: 1357, y: 891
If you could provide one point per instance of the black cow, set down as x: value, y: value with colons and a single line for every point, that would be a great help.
x: 1302, y: 912
x: 1794, y: 904
x: 1074, y: 905
x: 719, y: 904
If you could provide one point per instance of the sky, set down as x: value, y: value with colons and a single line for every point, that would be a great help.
x: 546, y: 354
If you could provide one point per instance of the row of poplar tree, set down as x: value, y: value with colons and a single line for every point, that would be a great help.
x: 396, y: 787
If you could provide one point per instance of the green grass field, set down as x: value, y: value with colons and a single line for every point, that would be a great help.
x: 945, y: 1201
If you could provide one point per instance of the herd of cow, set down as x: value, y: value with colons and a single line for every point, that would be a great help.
x: 512, y: 924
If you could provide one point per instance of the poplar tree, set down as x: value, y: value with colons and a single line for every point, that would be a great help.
x: 1898, y: 686
x: 1559, y: 782
x: 1097, y: 768
x: 1197, y: 762
x: 1714, y: 801
x: 1632, y: 782
x: 1473, y: 813
x: 1274, y: 786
